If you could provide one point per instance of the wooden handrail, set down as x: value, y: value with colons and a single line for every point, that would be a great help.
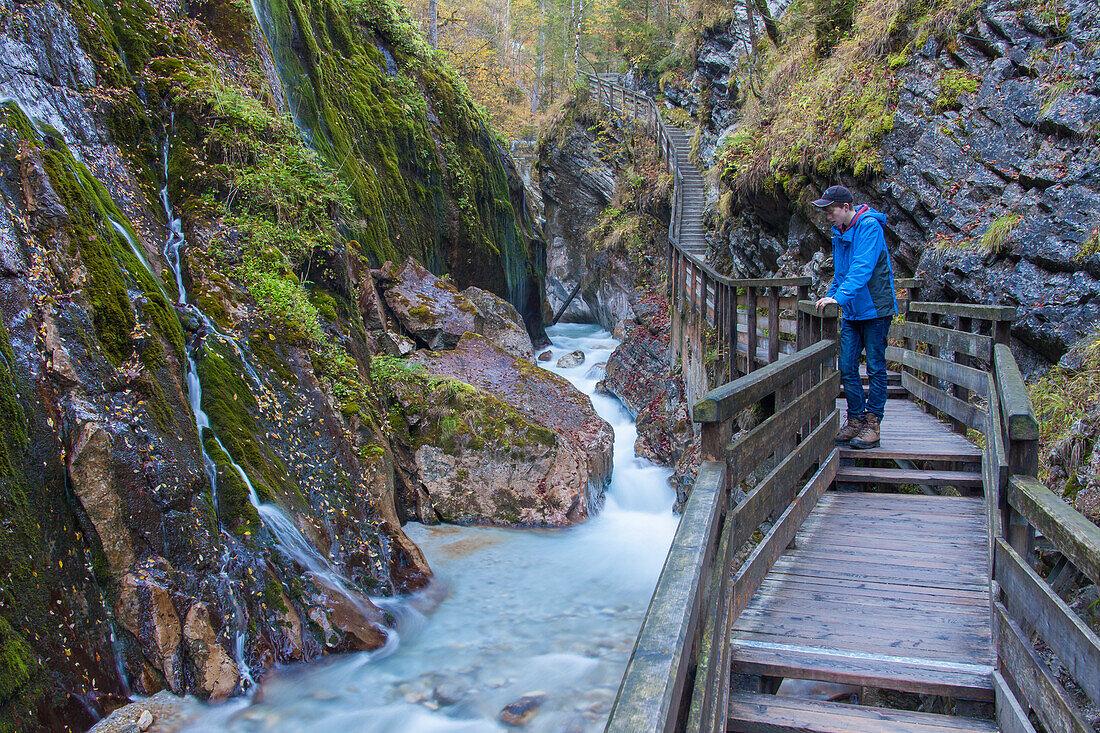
x: 966, y: 310
x: 651, y: 692
x: 723, y: 403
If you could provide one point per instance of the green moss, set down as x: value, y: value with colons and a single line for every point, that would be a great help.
x: 17, y: 661
x: 420, y: 311
x: 235, y: 509
x: 111, y: 265
x: 13, y: 421
x: 953, y: 84
x: 1090, y: 247
x: 230, y: 405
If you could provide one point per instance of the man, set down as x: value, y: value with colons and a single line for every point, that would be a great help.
x: 863, y: 287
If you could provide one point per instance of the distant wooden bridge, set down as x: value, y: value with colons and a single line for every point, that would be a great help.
x: 909, y: 567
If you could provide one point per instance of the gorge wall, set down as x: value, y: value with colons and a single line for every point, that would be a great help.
x: 199, y: 477
x: 972, y: 127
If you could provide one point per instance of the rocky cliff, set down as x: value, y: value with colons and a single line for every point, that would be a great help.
x: 973, y: 128
x: 198, y: 480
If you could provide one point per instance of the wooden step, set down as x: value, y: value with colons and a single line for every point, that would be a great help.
x: 892, y: 390
x: 907, y: 674
x: 861, y: 475
x: 756, y: 713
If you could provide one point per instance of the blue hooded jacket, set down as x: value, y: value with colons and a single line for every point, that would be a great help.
x: 863, y: 283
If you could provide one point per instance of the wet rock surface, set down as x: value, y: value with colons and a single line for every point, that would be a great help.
x: 530, y: 450
x: 577, y: 182
x: 638, y: 375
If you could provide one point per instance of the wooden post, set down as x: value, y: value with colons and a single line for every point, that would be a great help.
x: 751, y: 340
x: 963, y: 393
x: 773, y: 323
x: 735, y: 337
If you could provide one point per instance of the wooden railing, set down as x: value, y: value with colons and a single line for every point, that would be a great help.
x: 752, y: 322
x: 957, y: 361
x: 678, y: 673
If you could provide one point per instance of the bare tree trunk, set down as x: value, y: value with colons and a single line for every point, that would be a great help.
x: 578, y: 25
x: 433, y: 23
x: 540, y: 65
x: 769, y: 21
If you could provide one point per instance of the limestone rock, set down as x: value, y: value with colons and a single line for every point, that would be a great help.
x: 428, y: 307
x: 528, y: 448
x: 572, y: 359
x: 146, y: 610
x: 93, y: 483
x: 216, y: 674
x: 499, y: 321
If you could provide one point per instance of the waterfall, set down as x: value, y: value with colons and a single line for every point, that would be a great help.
x: 287, y: 536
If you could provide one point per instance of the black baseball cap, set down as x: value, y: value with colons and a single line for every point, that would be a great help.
x: 834, y: 195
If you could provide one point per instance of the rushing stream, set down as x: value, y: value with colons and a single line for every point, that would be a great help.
x: 546, y: 614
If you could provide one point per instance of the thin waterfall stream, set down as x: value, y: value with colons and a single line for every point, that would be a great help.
x: 287, y: 535
x: 542, y: 619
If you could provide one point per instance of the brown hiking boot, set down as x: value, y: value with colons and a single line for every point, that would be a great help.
x: 851, y: 429
x: 869, y: 436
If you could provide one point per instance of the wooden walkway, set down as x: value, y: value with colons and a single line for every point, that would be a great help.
x: 910, y: 567
x: 884, y: 590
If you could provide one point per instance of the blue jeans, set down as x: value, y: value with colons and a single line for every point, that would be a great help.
x: 855, y: 337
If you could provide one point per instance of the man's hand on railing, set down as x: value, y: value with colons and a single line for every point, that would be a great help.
x: 823, y: 302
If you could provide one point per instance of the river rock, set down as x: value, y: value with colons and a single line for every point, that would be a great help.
x: 527, y: 448
x: 216, y: 674
x: 522, y: 710
x: 572, y: 359
x: 546, y: 355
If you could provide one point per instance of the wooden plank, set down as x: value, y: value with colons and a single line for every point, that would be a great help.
x: 1016, y: 410
x: 859, y: 474
x: 756, y: 566
x: 1075, y: 536
x: 747, y: 452
x: 973, y: 379
x: 776, y: 490
x: 966, y: 310
x: 1042, y: 692
x: 712, y: 668
x: 761, y: 713
x: 961, y: 342
x: 1074, y: 643
x: 723, y: 403
x: 651, y: 690
x: 766, y: 282
x: 892, y: 671
x: 1011, y: 717
x: 956, y: 408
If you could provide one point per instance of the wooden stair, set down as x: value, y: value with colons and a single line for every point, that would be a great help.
x: 758, y: 713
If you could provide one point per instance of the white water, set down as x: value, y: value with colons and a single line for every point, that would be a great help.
x: 551, y: 612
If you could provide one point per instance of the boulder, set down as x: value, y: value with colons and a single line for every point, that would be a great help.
x: 216, y: 674
x: 428, y: 307
x: 546, y: 355
x: 570, y: 360
x: 511, y: 444
x: 498, y: 320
